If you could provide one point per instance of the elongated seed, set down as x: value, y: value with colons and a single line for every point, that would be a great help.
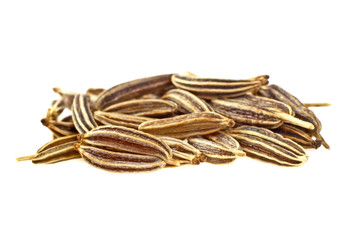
x: 301, y: 111
x: 224, y: 139
x: 120, y: 162
x: 144, y: 107
x: 187, y: 125
x: 257, y: 113
x: 186, y: 101
x: 132, y: 89
x: 61, y: 128
x: 55, y: 153
x: 183, y: 152
x: 215, y: 153
x: 58, y: 141
x: 263, y: 144
x: 127, y: 140
x: 209, y: 88
x: 298, y: 135
x: 119, y: 119
x: 82, y: 115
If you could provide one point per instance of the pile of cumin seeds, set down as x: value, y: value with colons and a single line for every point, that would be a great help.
x: 173, y: 120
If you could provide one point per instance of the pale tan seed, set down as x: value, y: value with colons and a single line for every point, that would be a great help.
x: 119, y: 119
x: 215, y: 153
x: 187, y: 125
x: 144, y: 107
x: 183, y: 152
x: 186, y: 101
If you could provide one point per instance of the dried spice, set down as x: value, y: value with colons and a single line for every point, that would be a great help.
x: 179, y: 119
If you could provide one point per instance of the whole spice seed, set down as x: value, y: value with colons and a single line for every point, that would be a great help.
x: 263, y: 144
x: 132, y: 89
x: 298, y: 135
x: 224, y: 139
x: 258, y: 111
x: 120, y: 162
x: 301, y: 111
x: 187, y: 102
x: 183, y: 152
x: 210, y: 88
x: 82, y: 115
x: 215, y: 153
x: 127, y: 140
x: 144, y: 107
x: 119, y: 119
x: 58, y: 150
x: 187, y: 125
x: 134, y: 142
x: 61, y: 128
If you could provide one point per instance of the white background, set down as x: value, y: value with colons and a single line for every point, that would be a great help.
x: 80, y: 44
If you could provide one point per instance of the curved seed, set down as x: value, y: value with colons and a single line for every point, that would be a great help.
x: 82, y: 115
x: 215, y: 153
x: 257, y: 112
x: 186, y: 101
x: 301, y: 111
x: 183, y: 152
x: 263, y: 144
x: 224, y: 139
x: 298, y: 135
x: 120, y: 162
x: 54, y: 153
x: 127, y: 140
x: 119, y: 119
x: 187, y: 125
x: 58, y: 141
x: 209, y: 88
x: 144, y: 107
x: 132, y: 89
x: 60, y: 128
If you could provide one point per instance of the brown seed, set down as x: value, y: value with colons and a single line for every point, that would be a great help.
x: 120, y: 162
x: 263, y: 144
x: 132, y: 89
x: 210, y: 88
x: 124, y: 139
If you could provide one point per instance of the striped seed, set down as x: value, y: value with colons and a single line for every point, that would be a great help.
x: 224, y: 139
x: 298, y: 135
x: 66, y: 97
x: 301, y: 111
x: 263, y: 144
x: 144, y: 107
x: 186, y: 101
x: 215, y: 153
x: 132, y: 89
x: 257, y: 111
x: 209, y: 88
x: 127, y: 140
x: 119, y: 119
x: 119, y: 162
x: 183, y: 152
x: 187, y: 125
x: 61, y: 128
x: 57, y: 150
x: 82, y: 115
